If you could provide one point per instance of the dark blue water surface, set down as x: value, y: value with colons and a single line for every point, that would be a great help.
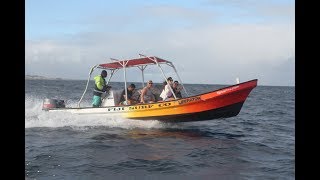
x: 257, y: 144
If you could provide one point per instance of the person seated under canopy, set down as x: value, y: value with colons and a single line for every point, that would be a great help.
x: 130, y: 100
x: 146, y: 94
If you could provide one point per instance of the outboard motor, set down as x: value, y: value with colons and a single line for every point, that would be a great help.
x: 52, y: 103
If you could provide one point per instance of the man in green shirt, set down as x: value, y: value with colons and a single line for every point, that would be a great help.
x: 99, y: 88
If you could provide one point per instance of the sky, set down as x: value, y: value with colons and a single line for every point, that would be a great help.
x: 208, y: 41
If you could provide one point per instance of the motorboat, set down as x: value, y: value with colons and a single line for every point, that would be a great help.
x: 221, y: 103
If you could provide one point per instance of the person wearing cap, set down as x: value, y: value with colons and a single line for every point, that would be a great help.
x: 166, y: 93
x: 99, y: 88
x: 146, y: 94
x: 130, y: 91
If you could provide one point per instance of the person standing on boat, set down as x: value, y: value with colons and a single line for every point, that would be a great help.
x: 99, y: 88
x: 146, y: 94
x: 166, y: 93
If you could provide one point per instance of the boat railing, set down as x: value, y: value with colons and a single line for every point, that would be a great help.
x: 142, y: 67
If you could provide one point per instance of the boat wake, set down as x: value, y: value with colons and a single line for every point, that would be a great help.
x: 36, y: 117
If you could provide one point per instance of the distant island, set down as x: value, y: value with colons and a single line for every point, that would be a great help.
x: 36, y: 77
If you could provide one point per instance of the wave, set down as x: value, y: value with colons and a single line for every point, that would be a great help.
x: 36, y: 117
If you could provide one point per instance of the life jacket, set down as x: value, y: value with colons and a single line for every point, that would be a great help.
x: 97, y: 91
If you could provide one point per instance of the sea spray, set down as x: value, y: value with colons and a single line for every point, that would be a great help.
x: 36, y: 117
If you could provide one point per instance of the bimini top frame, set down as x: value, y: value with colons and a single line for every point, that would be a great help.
x: 142, y: 62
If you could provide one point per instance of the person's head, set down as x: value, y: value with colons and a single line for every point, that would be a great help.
x: 150, y: 83
x: 170, y: 80
x: 104, y: 73
x: 164, y: 83
x: 131, y: 87
x: 175, y: 84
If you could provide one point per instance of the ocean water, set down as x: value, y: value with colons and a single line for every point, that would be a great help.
x: 259, y: 143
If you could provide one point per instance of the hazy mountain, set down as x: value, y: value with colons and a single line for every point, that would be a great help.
x: 40, y: 77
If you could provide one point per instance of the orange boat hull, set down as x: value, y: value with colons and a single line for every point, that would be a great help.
x: 221, y: 103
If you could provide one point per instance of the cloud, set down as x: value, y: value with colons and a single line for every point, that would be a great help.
x: 266, y: 10
x: 203, y: 49
x: 211, y: 50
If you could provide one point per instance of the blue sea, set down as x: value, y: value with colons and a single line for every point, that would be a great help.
x: 258, y: 143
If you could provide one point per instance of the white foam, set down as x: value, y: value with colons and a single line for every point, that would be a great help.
x: 36, y: 117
